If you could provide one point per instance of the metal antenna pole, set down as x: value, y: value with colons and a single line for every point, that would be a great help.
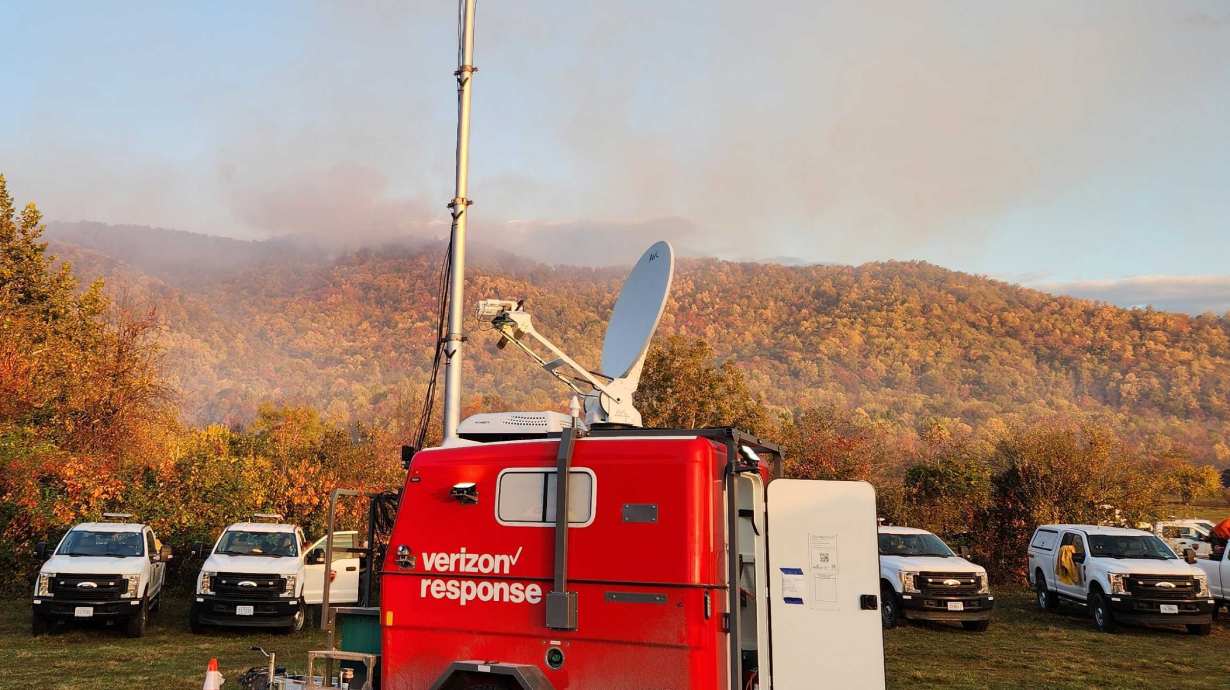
x: 459, y: 206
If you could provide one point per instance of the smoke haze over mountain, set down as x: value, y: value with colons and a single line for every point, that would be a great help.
x: 981, y: 136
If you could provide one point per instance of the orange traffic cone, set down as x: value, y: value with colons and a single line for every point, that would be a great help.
x: 213, y: 679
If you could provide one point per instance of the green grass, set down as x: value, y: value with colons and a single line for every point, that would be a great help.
x: 1029, y: 648
x: 1023, y: 648
x: 168, y: 657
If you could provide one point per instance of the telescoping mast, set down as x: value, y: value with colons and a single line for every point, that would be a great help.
x: 550, y: 551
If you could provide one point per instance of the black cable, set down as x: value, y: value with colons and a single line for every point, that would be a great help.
x: 446, y: 269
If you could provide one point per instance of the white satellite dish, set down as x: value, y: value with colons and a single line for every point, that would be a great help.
x: 633, y: 322
x: 638, y: 311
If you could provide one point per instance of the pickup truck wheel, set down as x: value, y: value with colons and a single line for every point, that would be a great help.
x: 135, y: 626
x: 39, y: 625
x: 976, y: 626
x: 297, y: 620
x: 1199, y: 628
x: 1046, y: 598
x: 194, y: 621
x: 889, y: 607
x: 1102, y: 616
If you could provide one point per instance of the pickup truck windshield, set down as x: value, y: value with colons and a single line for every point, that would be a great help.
x: 1144, y: 546
x: 913, y: 545
x: 115, y: 544
x: 240, y: 543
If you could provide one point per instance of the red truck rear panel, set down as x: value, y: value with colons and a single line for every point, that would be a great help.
x: 650, y: 594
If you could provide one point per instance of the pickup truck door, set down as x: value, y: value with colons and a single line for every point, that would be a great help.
x: 344, y: 589
x: 1070, y: 573
x: 157, y: 569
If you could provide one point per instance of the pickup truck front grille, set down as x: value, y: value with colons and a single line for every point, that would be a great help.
x: 951, y: 584
x: 1162, y: 586
x: 90, y: 587
x: 245, y: 585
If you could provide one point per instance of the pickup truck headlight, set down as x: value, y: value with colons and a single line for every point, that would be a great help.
x: 1202, y: 581
x: 43, y: 588
x: 290, y: 586
x: 984, y: 584
x: 1118, y: 583
x: 204, y: 583
x: 134, y: 581
x: 908, y: 582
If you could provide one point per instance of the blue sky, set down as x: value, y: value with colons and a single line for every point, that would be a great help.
x: 1081, y: 147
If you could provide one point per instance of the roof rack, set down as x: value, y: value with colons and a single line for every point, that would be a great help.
x: 117, y: 517
x: 267, y: 517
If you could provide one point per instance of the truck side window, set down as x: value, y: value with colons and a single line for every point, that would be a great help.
x: 527, y: 497
x: 1044, y: 539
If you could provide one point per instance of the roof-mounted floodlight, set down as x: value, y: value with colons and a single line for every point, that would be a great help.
x: 117, y: 517
x: 607, y: 393
x: 267, y: 517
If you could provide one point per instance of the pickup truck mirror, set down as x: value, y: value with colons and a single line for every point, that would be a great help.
x: 164, y: 553
x: 198, y: 549
x: 1189, y: 555
x: 963, y: 551
x: 316, y: 556
x: 40, y: 550
x: 1078, y: 558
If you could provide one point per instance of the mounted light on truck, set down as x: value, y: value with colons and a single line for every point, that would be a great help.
x: 465, y: 492
x: 405, y: 559
x: 44, y: 585
x: 908, y: 582
x: 1202, y: 581
x: 134, y: 581
x: 290, y: 586
x: 984, y: 584
x: 204, y: 584
x: 1118, y: 583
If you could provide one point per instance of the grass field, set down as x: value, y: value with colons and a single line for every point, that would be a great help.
x: 1023, y: 648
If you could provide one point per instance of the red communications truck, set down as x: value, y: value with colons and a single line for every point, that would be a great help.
x: 681, y: 562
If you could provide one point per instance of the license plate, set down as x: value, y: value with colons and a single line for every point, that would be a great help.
x: 84, y: 612
x: 1170, y: 608
x: 244, y: 610
x: 956, y: 606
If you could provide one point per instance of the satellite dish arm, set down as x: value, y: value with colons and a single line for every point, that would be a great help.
x: 514, y: 324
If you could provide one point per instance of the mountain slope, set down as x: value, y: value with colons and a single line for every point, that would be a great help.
x: 903, y: 341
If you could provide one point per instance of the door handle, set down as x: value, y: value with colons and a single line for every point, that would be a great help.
x: 351, y: 568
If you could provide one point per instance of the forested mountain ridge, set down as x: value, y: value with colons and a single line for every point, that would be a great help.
x: 902, y: 341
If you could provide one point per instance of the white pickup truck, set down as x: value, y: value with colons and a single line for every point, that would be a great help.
x: 922, y: 579
x: 264, y: 574
x: 1216, y: 567
x: 101, y: 571
x: 1191, y: 534
x: 1121, y: 576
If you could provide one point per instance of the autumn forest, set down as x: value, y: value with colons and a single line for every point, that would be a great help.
x: 194, y: 379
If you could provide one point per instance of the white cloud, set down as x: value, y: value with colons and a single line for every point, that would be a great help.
x: 1191, y: 294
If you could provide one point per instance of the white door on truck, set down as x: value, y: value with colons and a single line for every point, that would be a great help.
x: 824, y: 585
x: 344, y: 589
